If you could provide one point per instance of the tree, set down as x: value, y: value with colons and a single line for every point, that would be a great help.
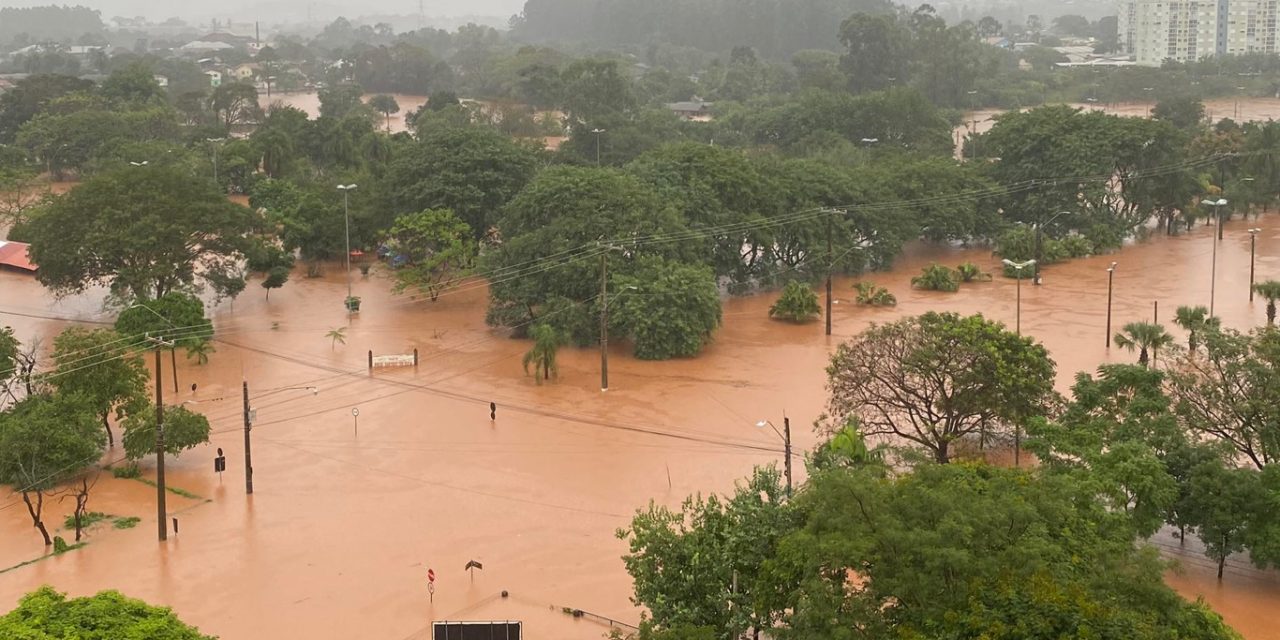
x: 937, y: 378
x: 235, y: 103
x: 103, y: 369
x: 31, y: 95
x: 875, y: 296
x: 338, y: 101
x: 1271, y: 291
x: 673, y: 311
x: 798, y: 303
x: 44, y: 441
x: 386, y: 105
x: 706, y: 564
x: 473, y: 171
x: 143, y: 232
x: 1196, y: 321
x: 430, y: 251
x: 175, y: 320
x: 135, y: 84
x: 1226, y: 395
x: 183, y: 429
x: 45, y: 613
x: 936, y: 277
x: 877, y: 51
x: 542, y: 356
x: 1222, y: 502
x: 989, y: 27
x: 200, y: 352
x: 276, y: 278
x: 970, y: 272
x: 9, y: 347
x: 1183, y: 112
x: 336, y: 336
x: 1143, y: 337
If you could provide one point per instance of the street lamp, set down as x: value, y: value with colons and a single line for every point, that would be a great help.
x: 215, y: 142
x: 1111, y: 279
x: 141, y: 164
x: 785, y: 435
x: 346, y: 190
x: 1039, y: 227
x: 1213, y: 283
x: 1019, y: 266
x: 870, y: 141
x: 1253, y: 252
x: 598, y: 132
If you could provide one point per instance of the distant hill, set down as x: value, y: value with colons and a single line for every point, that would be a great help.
x: 775, y: 28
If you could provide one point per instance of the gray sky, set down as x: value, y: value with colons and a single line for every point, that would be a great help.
x: 274, y: 10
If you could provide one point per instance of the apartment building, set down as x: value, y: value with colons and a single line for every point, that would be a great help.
x: 1152, y: 31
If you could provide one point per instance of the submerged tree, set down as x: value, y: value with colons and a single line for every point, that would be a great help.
x: 542, y: 356
x: 45, y: 613
x: 1143, y: 337
x: 798, y: 303
x: 1271, y: 291
x: 937, y: 378
x: 1196, y: 321
x: 431, y: 251
x: 103, y: 368
x: 936, y: 277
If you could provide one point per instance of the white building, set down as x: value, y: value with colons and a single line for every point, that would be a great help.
x: 1152, y: 31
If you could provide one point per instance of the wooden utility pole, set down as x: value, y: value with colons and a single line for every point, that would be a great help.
x: 248, y: 448
x: 604, y: 320
x: 162, y: 526
x: 830, y: 266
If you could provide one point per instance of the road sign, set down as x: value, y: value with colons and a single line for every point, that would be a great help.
x: 431, y: 575
x: 355, y: 412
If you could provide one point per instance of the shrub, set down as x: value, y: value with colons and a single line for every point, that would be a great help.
x: 970, y: 272
x: 798, y: 303
x: 936, y: 277
x: 871, y: 295
x: 128, y: 471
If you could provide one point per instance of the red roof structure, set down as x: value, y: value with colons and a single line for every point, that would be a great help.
x: 15, y: 255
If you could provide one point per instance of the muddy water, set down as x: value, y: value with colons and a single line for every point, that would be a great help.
x: 347, y: 516
x: 310, y: 103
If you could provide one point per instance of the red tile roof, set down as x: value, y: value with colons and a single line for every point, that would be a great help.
x: 14, y: 254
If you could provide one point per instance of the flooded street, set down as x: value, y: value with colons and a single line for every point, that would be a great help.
x: 309, y: 102
x: 347, y: 516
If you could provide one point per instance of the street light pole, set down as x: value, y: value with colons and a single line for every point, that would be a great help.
x: 785, y: 435
x: 346, y: 190
x: 1111, y: 278
x: 598, y: 132
x: 1253, y: 252
x: 1019, y: 266
x: 1213, y: 283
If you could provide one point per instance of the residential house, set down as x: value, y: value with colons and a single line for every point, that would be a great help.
x: 246, y: 72
x: 215, y: 78
x: 695, y: 109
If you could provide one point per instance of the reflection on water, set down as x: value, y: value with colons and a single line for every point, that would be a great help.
x: 336, y: 540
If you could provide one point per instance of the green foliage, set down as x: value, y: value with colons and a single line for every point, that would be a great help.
x: 128, y: 471
x: 798, y: 303
x: 547, y: 340
x: 200, y: 352
x: 103, y: 369
x: 128, y: 522
x: 673, y: 311
x: 1143, y: 337
x: 935, y: 379
x: 336, y: 336
x: 9, y: 346
x: 430, y: 251
x: 686, y: 563
x: 875, y: 296
x: 1196, y: 321
x: 276, y: 278
x: 936, y: 277
x: 143, y: 232
x: 970, y: 272
x: 86, y: 520
x: 47, y: 439
x: 45, y: 613
x: 174, y: 317
x: 183, y: 429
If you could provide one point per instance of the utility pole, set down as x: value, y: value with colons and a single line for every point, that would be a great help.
x: 604, y: 321
x: 1253, y: 253
x: 786, y: 431
x: 161, y: 511
x: 1111, y: 278
x: 248, y: 445
x: 830, y: 266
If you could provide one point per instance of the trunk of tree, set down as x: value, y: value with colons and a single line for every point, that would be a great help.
x: 546, y: 371
x: 36, y: 511
x: 1271, y: 312
x: 1182, y: 535
x: 173, y: 359
x: 106, y: 424
x: 82, y: 503
x: 942, y: 453
x: 1222, y: 562
x: 1144, y: 357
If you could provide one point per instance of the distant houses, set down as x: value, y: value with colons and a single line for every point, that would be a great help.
x: 694, y: 109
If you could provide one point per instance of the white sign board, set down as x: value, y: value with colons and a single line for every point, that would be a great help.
x: 393, y: 361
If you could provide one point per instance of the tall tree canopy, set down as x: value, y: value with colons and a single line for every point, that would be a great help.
x: 47, y: 614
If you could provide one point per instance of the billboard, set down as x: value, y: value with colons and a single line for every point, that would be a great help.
x: 505, y: 630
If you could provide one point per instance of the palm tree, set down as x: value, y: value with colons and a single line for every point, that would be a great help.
x: 936, y: 277
x: 337, y: 335
x: 200, y: 352
x: 546, y: 342
x: 1145, y: 337
x: 970, y: 272
x: 1271, y: 291
x: 1196, y: 321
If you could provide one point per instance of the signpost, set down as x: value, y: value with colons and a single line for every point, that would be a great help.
x: 355, y: 416
x: 219, y: 464
x: 431, y: 584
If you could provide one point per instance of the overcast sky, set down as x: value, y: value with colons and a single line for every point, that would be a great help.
x: 244, y: 10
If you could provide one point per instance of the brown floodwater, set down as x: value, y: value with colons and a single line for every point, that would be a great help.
x: 309, y: 102
x: 346, y: 518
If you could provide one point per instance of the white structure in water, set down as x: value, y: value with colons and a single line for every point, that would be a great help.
x: 1152, y: 31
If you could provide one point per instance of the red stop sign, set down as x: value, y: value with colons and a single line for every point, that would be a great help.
x: 431, y: 575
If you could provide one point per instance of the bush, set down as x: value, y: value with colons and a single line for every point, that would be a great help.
x: 969, y: 272
x: 1075, y: 246
x: 128, y: 522
x: 871, y: 295
x: 87, y: 520
x: 798, y: 303
x: 129, y: 471
x: 936, y: 277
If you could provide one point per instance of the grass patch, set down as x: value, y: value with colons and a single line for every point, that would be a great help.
x: 128, y: 522
x: 87, y: 520
x: 128, y: 471
x: 65, y: 549
x: 172, y: 489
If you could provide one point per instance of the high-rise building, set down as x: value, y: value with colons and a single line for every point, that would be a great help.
x: 1153, y: 31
